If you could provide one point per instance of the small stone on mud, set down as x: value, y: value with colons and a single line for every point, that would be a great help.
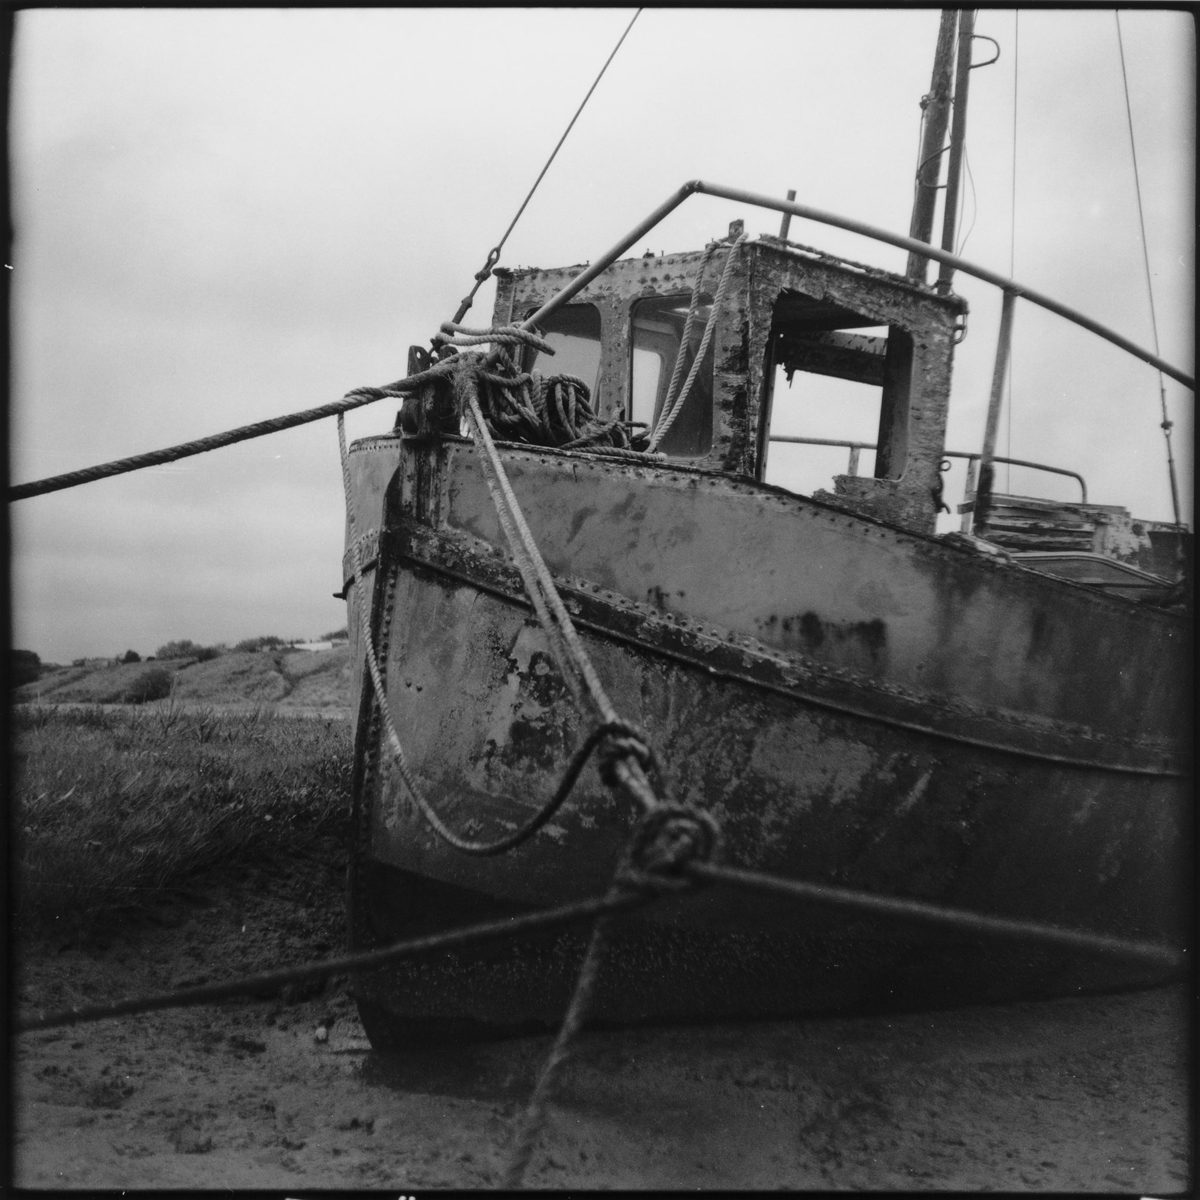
x: 322, y: 1034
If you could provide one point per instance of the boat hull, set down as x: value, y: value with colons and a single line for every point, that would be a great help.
x: 871, y: 745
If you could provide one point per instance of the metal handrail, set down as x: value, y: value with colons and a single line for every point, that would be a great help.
x: 972, y: 455
x: 1006, y: 285
x: 1010, y: 290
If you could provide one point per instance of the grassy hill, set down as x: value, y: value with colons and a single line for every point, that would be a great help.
x: 285, y: 679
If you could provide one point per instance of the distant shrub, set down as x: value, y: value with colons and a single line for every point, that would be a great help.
x: 186, y: 648
x: 25, y: 666
x: 269, y: 642
x: 338, y: 635
x: 151, y: 684
x: 131, y: 656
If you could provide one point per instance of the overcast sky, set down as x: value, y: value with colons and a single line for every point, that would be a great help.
x: 223, y: 216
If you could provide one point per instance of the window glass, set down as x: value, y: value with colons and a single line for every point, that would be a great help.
x: 574, y: 332
x: 658, y: 324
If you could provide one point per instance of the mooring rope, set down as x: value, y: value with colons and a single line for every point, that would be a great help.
x: 137, y: 462
x: 210, y: 993
x: 940, y: 915
x: 533, y: 1119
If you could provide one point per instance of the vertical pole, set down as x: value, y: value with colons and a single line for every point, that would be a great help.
x: 958, y: 135
x: 929, y: 165
x: 969, y: 492
x: 983, y: 494
x: 787, y: 218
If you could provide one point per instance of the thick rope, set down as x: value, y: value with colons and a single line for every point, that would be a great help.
x: 938, y: 915
x: 154, y: 458
x: 533, y: 1119
x: 209, y: 993
x: 572, y: 659
x: 686, y: 337
x: 664, y: 841
x: 693, y: 868
x: 589, y: 431
x: 665, y: 424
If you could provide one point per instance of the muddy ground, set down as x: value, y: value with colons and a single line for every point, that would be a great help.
x: 1085, y: 1094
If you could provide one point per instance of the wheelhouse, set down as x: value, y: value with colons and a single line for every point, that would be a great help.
x: 787, y: 313
x: 862, y: 358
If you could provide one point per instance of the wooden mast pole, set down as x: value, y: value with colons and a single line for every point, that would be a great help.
x: 929, y: 165
x: 958, y: 136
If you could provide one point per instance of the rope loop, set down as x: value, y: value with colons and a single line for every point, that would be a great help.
x: 492, y: 259
x: 668, y: 839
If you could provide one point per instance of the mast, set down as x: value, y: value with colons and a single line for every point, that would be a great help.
x: 936, y: 106
x: 958, y: 134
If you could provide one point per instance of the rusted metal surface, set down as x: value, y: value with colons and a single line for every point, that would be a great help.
x: 777, y: 287
x: 854, y: 700
x: 853, y: 703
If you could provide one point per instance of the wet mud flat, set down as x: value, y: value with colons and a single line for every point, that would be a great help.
x: 1085, y: 1094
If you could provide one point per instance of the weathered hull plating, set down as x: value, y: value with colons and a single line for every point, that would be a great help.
x: 854, y: 704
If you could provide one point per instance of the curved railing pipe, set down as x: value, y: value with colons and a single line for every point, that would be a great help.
x: 912, y: 245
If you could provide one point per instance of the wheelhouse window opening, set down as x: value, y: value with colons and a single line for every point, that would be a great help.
x: 657, y: 332
x: 574, y: 333
x: 832, y: 376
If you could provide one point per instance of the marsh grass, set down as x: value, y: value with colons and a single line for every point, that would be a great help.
x: 115, y: 809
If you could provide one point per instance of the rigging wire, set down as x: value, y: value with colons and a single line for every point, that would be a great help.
x: 1012, y: 237
x: 493, y: 256
x: 1162, y: 388
x: 962, y: 204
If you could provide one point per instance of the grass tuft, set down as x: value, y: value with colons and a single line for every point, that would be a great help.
x: 114, y: 809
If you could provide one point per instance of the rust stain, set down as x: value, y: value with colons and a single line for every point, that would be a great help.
x: 810, y: 633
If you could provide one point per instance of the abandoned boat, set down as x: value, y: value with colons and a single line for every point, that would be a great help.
x: 993, y: 721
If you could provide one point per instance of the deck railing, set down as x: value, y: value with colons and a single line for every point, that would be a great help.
x: 972, y: 457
